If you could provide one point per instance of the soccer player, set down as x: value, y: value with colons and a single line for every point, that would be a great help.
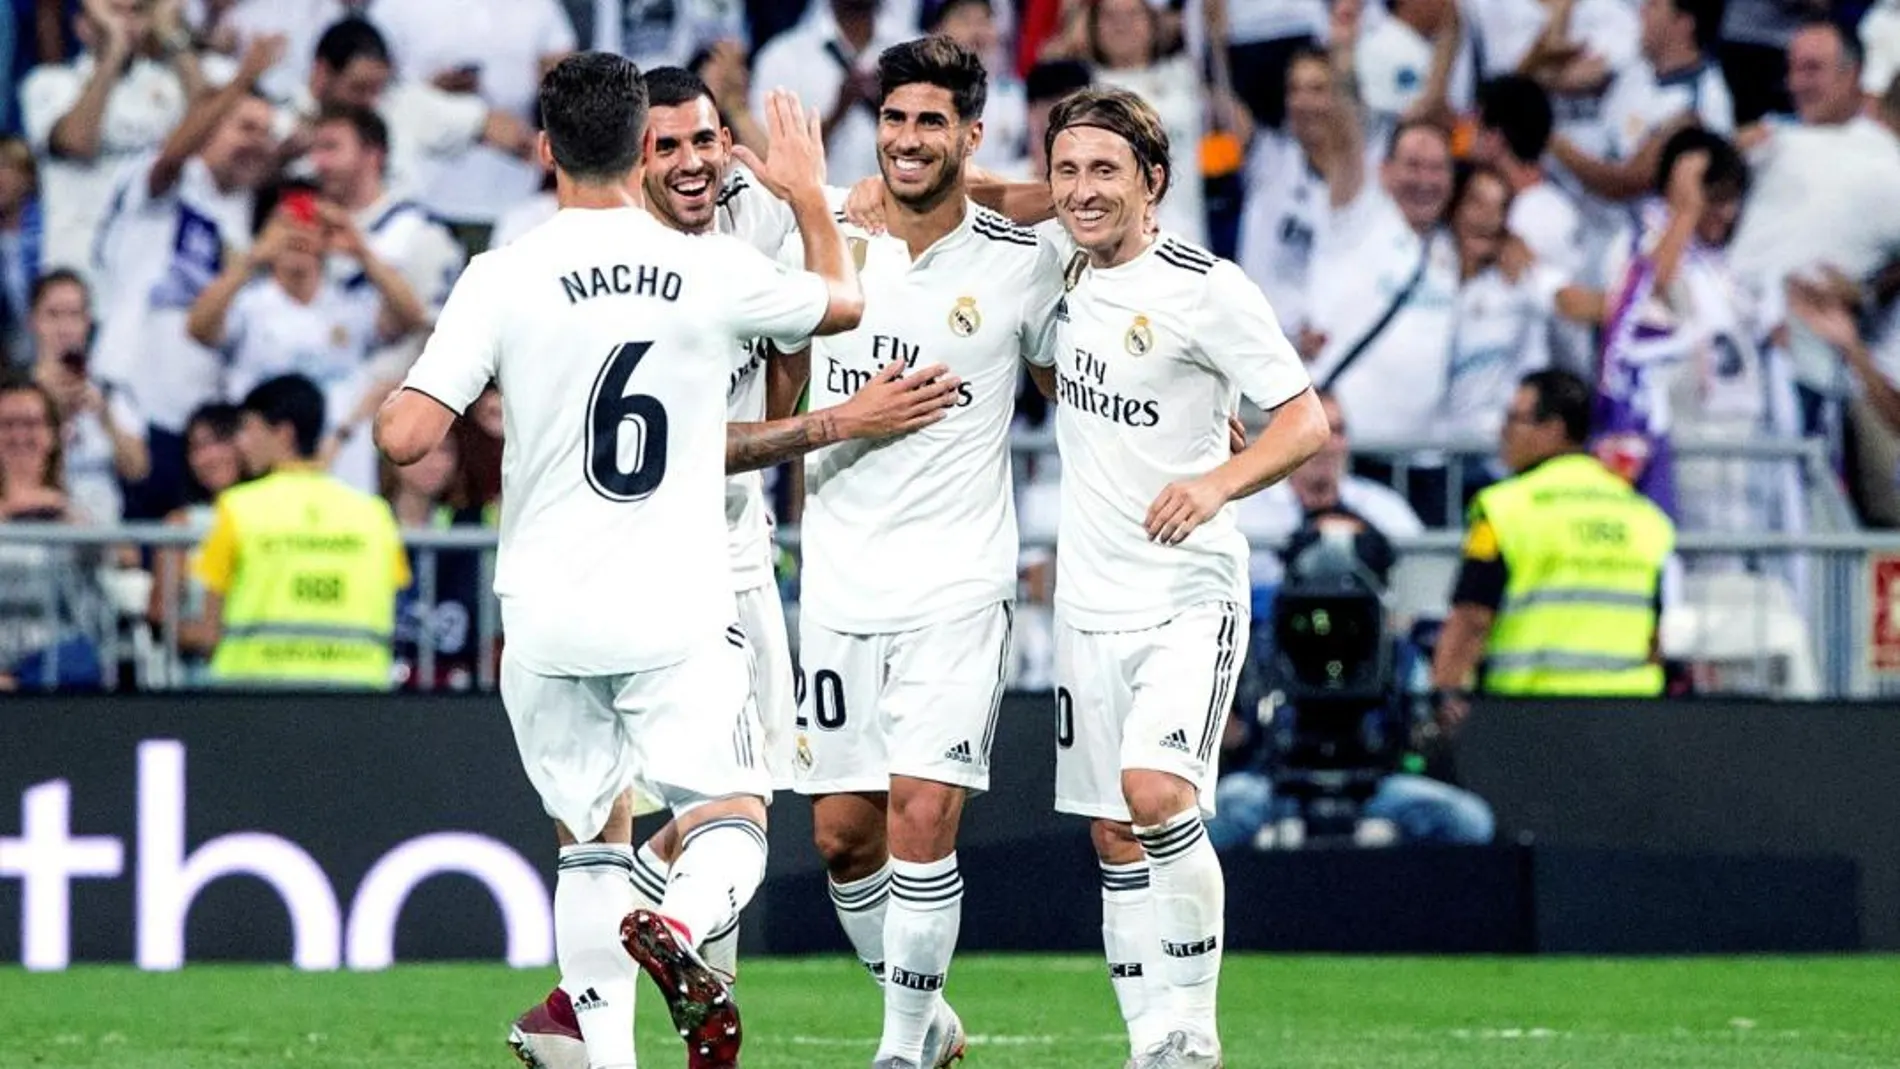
x: 611, y: 337
x: 1155, y: 342
x: 694, y: 186
x: 910, y: 547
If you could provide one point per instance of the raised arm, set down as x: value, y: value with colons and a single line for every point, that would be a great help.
x: 1345, y: 162
x: 202, y: 120
x: 76, y: 135
x: 795, y: 173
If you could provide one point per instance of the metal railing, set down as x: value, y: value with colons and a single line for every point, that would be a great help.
x: 1749, y: 590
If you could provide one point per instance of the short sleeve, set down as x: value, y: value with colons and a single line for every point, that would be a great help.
x: 1043, y: 293
x: 216, y: 560
x: 47, y: 94
x: 766, y: 299
x: 1237, y: 334
x: 462, y: 355
x: 238, y: 318
x: 1482, y: 574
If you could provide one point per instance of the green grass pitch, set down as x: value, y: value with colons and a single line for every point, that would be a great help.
x: 1033, y: 1012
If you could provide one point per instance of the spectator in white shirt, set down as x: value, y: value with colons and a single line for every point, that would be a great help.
x: 426, y: 125
x: 101, y: 430
x: 1286, y: 194
x: 347, y: 157
x: 274, y: 311
x: 972, y: 24
x: 86, y: 119
x: 174, y: 220
x: 1579, y: 48
x: 1384, y: 276
x: 1126, y: 48
x: 1416, y: 64
x: 494, y: 52
x: 1262, y: 37
x: 1823, y: 191
x: 1675, y: 84
x: 830, y: 61
x: 1880, y: 44
x: 1514, y: 127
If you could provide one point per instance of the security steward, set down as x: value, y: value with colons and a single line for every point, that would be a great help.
x: 1560, y: 588
x: 302, y: 570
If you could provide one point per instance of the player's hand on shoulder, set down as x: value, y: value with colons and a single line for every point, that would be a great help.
x: 894, y: 403
x: 864, y: 208
x: 1180, y: 508
x: 794, y: 165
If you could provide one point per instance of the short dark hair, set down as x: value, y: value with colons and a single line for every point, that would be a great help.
x: 1707, y: 15
x: 221, y: 419
x: 1519, y: 109
x: 1563, y: 395
x: 1727, y: 175
x: 1464, y: 174
x: 1124, y: 114
x: 349, y: 40
x: 935, y: 11
x: 1406, y: 126
x: 1054, y: 79
x: 293, y: 400
x: 58, y: 276
x: 370, y: 128
x: 669, y: 87
x: 937, y: 61
x: 594, y: 108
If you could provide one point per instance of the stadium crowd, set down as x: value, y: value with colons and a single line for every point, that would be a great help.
x: 1689, y: 202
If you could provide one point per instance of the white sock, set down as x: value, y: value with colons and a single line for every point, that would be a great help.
x: 920, y: 935
x: 1190, y: 903
x: 861, y: 905
x: 592, y: 895
x: 649, y: 878
x: 1134, y: 947
x: 718, y: 871
x: 721, y: 949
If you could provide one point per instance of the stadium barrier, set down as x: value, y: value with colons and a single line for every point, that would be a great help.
x: 1802, y: 616
x: 341, y: 831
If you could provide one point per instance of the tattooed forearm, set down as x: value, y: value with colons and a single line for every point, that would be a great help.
x: 751, y: 446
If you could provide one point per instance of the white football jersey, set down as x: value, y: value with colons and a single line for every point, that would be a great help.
x: 611, y: 338
x: 909, y: 530
x: 1151, y: 358
x: 747, y: 211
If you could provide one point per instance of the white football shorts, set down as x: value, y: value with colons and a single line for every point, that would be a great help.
x: 1152, y: 699
x: 774, y: 688
x: 679, y: 736
x: 920, y: 703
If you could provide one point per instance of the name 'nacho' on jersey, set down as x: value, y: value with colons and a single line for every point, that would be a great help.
x: 623, y: 280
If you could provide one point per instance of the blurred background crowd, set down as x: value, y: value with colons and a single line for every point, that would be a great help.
x: 1694, y: 204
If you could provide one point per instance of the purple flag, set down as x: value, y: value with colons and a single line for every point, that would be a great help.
x: 1631, y: 418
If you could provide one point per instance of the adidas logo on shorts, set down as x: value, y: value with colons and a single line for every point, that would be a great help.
x: 959, y: 753
x: 588, y: 1000
x: 1176, y: 740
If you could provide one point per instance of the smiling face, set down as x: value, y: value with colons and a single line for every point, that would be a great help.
x: 1418, y: 175
x: 688, y: 154
x: 922, y: 144
x: 1101, y: 194
x: 1477, y: 220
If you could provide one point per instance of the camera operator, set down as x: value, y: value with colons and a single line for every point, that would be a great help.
x: 1350, y: 754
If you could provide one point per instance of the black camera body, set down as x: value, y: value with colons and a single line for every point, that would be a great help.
x: 1337, y: 724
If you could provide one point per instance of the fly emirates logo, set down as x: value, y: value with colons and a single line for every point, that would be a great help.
x: 1082, y: 384
x: 843, y: 380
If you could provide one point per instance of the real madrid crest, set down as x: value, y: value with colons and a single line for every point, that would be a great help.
x: 965, y: 320
x: 804, y: 757
x: 858, y: 247
x: 1140, y: 337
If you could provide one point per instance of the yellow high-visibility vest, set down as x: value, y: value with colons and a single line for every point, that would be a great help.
x: 1584, y: 552
x: 311, y: 597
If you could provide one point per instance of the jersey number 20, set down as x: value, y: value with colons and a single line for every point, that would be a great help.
x: 613, y: 414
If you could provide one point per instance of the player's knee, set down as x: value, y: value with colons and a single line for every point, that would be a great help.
x: 1115, y: 842
x: 1156, y: 797
x: 851, y: 851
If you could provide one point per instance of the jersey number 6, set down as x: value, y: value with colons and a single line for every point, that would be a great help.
x: 612, y: 413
